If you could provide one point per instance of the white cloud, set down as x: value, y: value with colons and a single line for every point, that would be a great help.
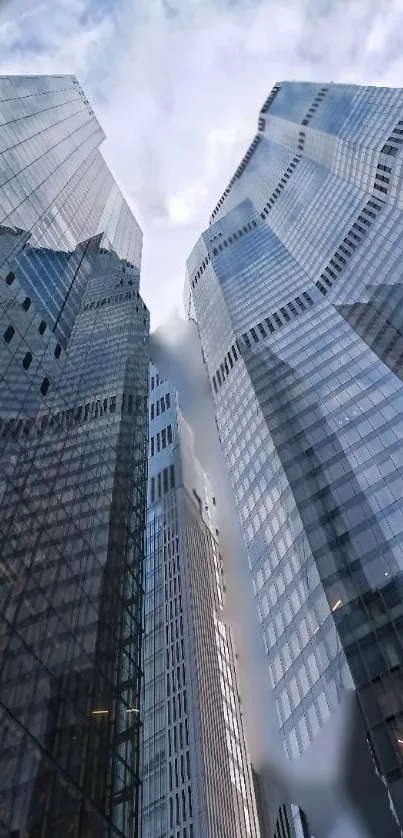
x: 179, y: 209
x: 10, y: 9
x: 177, y: 85
x: 182, y: 207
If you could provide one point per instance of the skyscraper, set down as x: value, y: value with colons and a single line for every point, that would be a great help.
x: 197, y: 780
x: 73, y: 435
x: 296, y: 288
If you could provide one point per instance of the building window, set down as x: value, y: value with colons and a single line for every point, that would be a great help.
x: 9, y: 333
x: 159, y: 484
x: 27, y: 360
x: 57, y: 351
x: 163, y: 438
x: 42, y: 327
x: 158, y: 380
x: 165, y: 480
x: 26, y: 304
x: 152, y: 382
x: 158, y: 443
x: 152, y: 489
x: 162, y: 404
x: 45, y: 386
x: 10, y: 278
x: 152, y: 446
x: 388, y: 149
x: 169, y: 434
x: 168, y: 400
x: 158, y: 407
x: 152, y: 411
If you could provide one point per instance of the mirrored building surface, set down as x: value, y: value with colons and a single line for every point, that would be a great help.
x: 296, y: 289
x: 73, y: 436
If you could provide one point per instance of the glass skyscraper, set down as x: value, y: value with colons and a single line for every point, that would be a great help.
x: 197, y: 780
x: 73, y: 448
x: 296, y: 287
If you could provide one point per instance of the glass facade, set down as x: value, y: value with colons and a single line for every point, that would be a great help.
x: 197, y: 781
x: 296, y: 288
x: 73, y: 447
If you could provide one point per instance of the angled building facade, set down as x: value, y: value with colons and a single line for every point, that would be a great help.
x: 197, y: 781
x: 73, y: 436
x: 296, y: 289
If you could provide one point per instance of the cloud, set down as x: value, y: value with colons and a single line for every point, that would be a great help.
x: 177, y: 85
x: 57, y: 37
x: 182, y: 207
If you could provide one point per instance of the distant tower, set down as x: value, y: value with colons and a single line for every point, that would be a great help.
x: 197, y: 781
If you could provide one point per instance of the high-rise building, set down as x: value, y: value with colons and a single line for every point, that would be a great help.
x: 73, y: 447
x: 296, y: 287
x: 197, y: 780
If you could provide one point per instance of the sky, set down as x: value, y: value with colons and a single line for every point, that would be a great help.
x: 177, y: 86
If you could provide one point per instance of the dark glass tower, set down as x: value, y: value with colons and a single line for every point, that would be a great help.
x: 296, y: 287
x: 73, y: 434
